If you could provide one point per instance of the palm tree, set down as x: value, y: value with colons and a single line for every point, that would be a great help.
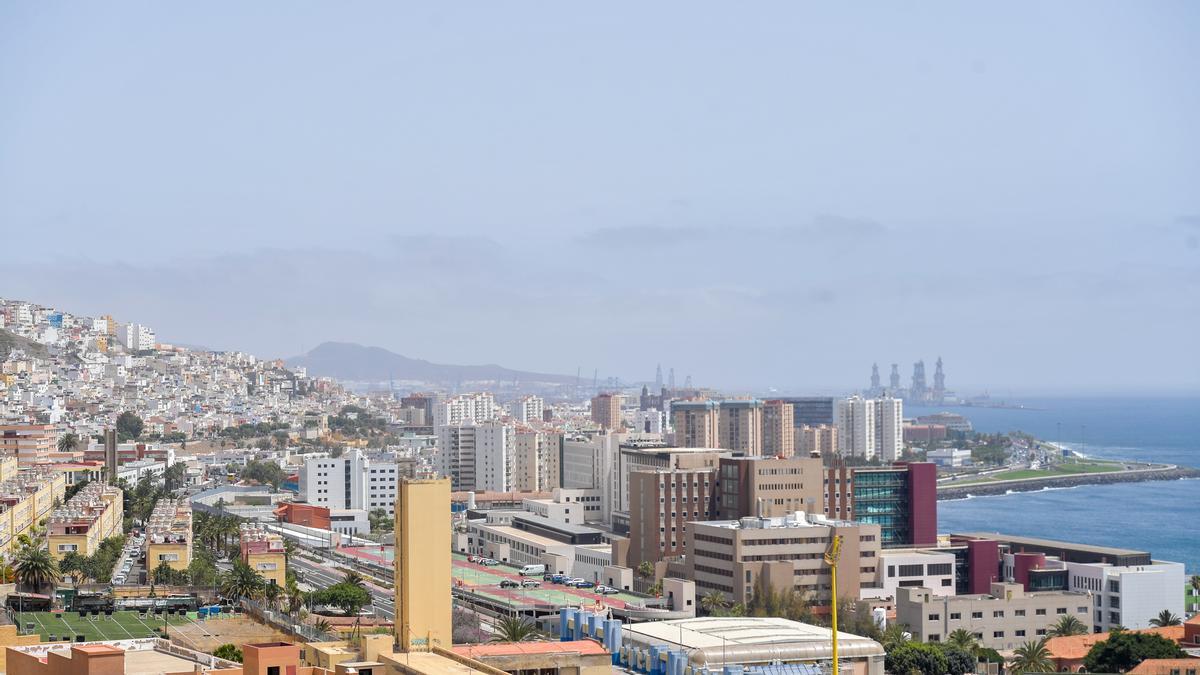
x: 1068, y: 625
x: 68, y: 442
x: 72, y: 565
x: 295, y: 597
x: 354, y: 579
x: 514, y: 629
x: 242, y: 582
x: 1165, y: 618
x: 1032, y: 657
x: 894, y: 636
x: 322, y: 625
x: 963, y: 639
x: 271, y: 593
x: 1195, y: 582
x: 36, y: 568
x: 714, y: 602
x: 289, y: 550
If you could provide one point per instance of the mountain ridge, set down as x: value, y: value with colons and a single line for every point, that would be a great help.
x: 353, y: 362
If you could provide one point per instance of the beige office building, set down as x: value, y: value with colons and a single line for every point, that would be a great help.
x: 606, y: 410
x: 696, y: 424
x: 661, y: 503
x: 821, y: 439
x: 1004, y: 619
x: 778, y: 429
x: 730, y: 556
x: 740, y: 426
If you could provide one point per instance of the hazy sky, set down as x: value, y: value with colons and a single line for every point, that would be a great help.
x: 764, y: 194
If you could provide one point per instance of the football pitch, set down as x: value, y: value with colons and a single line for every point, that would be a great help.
x: 119, y: 626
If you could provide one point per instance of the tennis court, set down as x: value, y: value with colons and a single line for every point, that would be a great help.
x: 119, y: 626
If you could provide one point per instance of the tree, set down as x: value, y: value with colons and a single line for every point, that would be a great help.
x: 74, y: 489
x: 645, y: 569
x: 1165, y: 618
x: 915, y: 657
x: 203, y: 568
x: 229, y: 652
x: 354, y: 579
x: 465, y: 627
x: 514, y: 629
x: 129, y: 425
x: 894, y: 636
x: 347, y: 596
x: 175, y: 477
x: 72, y: 565
x: 958, y: 661
x: 714, y: 602
x: 68, y: 442
x: 36, y: 568
x: 961, y: 638
x: 380, y: 521
x: 1033, y: 657
x: 1068, y: 624
x: 1195, y: 582
x: 1123, y: 651
x: 242, y: 582
x: 271, y: 593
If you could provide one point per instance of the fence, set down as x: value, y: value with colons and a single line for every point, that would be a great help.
x: 286, y: 622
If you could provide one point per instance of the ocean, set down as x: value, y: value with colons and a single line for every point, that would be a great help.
x: 1159, y: 517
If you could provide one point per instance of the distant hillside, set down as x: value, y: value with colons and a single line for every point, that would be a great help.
x: 356, y: 363
x: 10, y: 342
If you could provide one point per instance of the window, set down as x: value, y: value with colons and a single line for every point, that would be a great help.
x: 272, y: 670
x: 1040, y: 612
x: 1040, y: 631
x: 1061, y: 610
x: 935, y: 617
x: 911, y: 570
x: 955, y: 616
x: 998, y: 614
x: 1020, y: 633
x: 976, y: 615
x: 947, y: 582
x: 936, y: 637
x: 998, y: 634
x: 939, y: 568
x: 1019, y: 612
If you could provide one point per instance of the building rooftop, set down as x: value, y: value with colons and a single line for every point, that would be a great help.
x: 796, y: 519
x: 1077, y: 646
x: 721, y: 640
x: 513, y: 648
x: 1051, y: 543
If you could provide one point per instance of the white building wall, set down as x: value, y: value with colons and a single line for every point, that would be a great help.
x: 896, y: 569
x: 889, y: 428
x: 493, y: 468
x: 855, y: 421
x: 335, y: 482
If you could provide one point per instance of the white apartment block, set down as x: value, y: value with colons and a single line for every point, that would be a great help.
x: 870, y: 428
x: 136, y: 337
x: 476, y: 456
x: 569, y: 506
x: 465, y: 409
x: 855, y: 421
x: 528, y: 409
x: 335, y: 482
x: 889, y: 428
x: 383, y: 478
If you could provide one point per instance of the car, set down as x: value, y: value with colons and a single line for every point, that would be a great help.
x: 474, y: 558
x: 509, y: 583
x: 489, y: 562
x: 582, y: 583
x: 531, y: 583
x: 558, y: 579
x: 547, y: 577
x: 606, y: 590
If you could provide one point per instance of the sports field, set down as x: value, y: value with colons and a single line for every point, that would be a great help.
x: 119, y: 626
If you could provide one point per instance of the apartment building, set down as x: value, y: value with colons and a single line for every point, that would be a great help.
x: 526, y: 456
x: 353, y: 481
x: 476, y: 456
x: 606, y: 410
x: 528, y: 409
x: 29, y: 443
x: 769, y: 486
x: 655, y: 456
x: 27, y: 497
x: 912, y: 568
x: 464, y: 409
x: 811, y: 411
x: 856, y: 427
x: 730, y: 556
x: 169, y: 535
x: 570, y: 506
x: 778, y: 429
x: 94, y: 514
x: 901, y: 499
x: 661, y: 504
x: 263, y: 551
x: 740, y: 425
x: 819, y: 440
x: 889, y: 428
x: 136, y: 337
x: 1004, y: 618
x: 696, y: 423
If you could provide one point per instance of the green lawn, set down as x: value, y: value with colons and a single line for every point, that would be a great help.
x: 120, y: 626
x: 1069, y: 468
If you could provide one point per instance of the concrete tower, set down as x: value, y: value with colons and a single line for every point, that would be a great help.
x: 422, y: 566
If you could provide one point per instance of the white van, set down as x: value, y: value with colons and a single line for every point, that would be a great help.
x: 532, y: 570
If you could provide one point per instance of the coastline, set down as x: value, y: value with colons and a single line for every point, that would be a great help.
x: 1156, y: 472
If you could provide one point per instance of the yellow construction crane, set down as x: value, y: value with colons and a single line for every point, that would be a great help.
x: 832, y: 554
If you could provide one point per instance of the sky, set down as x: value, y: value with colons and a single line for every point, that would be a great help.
x: 773, y: 195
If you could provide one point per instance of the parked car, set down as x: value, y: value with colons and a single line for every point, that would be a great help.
x: 474, y: 558
x: 548, y: 577
x: 558, y: 579
x: 531, y: 583
x: 583, y: 583
x: 490, y: 562
x: 509, y: 583
x: 606, y: 590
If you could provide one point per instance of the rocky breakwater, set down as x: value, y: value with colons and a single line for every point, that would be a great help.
x: 1150, y: 472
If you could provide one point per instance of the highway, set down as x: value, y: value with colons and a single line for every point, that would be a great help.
x: 325, y: 574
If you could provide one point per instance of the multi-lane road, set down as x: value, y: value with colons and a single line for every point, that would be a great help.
x: 325, y: 574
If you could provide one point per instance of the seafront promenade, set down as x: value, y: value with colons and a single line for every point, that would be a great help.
x: 1132, y: 473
